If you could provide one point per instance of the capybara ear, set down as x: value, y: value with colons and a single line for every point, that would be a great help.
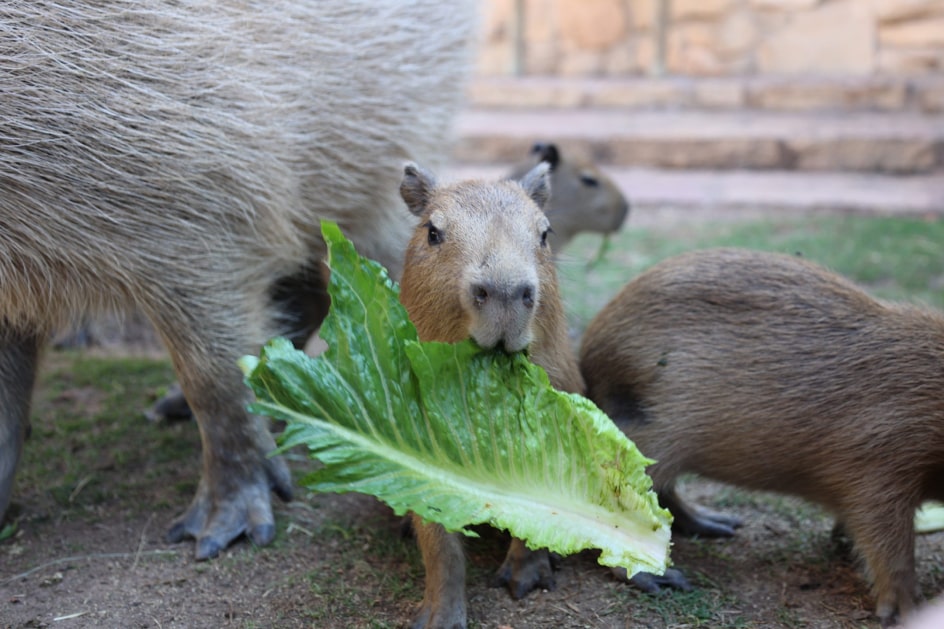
x: 547, y: 153
x: 416, y: 186
x: 537, y: 184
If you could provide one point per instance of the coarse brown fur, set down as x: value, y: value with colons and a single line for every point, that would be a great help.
x: 176, y: 158
x: 479, y: 265
x: 583, y: 198
x: 772, y: 373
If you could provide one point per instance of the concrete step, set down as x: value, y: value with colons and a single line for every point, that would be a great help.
x: 921, y: 93
x: 881, y: 142
x: 668, y: 196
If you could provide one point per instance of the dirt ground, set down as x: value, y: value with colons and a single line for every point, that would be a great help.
x: 93, y: 554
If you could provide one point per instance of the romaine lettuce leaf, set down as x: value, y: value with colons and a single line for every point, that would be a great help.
x: 455, y: 433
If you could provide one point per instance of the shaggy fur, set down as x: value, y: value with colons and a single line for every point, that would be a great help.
x: 177, y: 157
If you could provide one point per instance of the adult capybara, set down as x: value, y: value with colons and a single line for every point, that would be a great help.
x: 177, y: 157
x: 770, y: 372
x: 479, y: 265
x: 583, y: 198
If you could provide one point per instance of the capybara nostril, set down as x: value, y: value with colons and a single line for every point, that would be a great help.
x: 526, y: 295
x: 479, y: 294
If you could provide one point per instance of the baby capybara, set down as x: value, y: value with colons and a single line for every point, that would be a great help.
x: 772, y: 373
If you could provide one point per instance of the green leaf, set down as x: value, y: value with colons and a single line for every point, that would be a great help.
x: 455, y: 433
x: 930, y: 517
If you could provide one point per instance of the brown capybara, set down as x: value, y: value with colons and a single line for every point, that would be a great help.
x: 177, y: 158
x: 772, y: 373
x: 479, y: 265
x: 583, y: 198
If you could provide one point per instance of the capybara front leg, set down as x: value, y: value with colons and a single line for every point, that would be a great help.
x: 19, y: 354
x: 444, y: 604
x: 884, y: 537
x: 524, y: 570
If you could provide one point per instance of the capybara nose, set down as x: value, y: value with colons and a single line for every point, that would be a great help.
x: 486, y: 291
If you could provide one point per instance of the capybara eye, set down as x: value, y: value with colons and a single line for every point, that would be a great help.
x: 589, y: 180
x: 435, y: 236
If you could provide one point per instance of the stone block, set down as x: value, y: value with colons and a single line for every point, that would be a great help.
x: 898, y: 10
x: 640, y: 94
x: 809, y: 42
x: 623, y: 59
x: 539, y: 23
x: 541, y: 58
x: 496, y: 51
x: 924, y: 33
x: 737, y: 33
x: 699, y: 153
x: 904, y: 156
x: 718, y: 93
x: 643, y: 13
x: 576, y: 62
x: 784, y: 5
x: 827, y: 94
x: 692, y: 50
x: 697, y: 9
x: 910, y: 62
x: 593, y: 24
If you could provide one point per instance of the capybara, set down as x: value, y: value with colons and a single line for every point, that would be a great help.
x: 479, y: 265
x: 769, y: 372
x: 583, y: 198
x: 177, y: 158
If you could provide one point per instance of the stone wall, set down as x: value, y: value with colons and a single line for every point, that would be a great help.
x: 713, y: 38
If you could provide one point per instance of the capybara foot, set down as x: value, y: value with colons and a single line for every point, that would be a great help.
x: 243, y: 507
x: 525, y: 571
x: 654, y: 583
x: 445, y: 613
x: 171, y: 407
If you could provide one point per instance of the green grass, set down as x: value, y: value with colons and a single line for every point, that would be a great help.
x: 705, y: 606
x: 87, y: 413
x: 892, y: 258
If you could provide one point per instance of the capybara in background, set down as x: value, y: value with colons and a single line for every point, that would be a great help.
x: 479, y: 265
x: 583, y: 198
x: 772, y: 373
x: 177, y: 158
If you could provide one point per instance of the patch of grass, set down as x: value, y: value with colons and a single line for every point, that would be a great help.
x: 91, y: 443
x: 705, y: 606
x: 892, y: 258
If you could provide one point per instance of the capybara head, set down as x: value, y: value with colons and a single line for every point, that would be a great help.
x: 478, y: 259
x: 584, y: 200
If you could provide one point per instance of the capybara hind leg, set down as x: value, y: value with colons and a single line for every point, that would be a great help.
x: 689, y: 520
x: 524, y: 570
x: 18, y: 358
x: 444, y: 604
x: 238, y: 473
x: 884, y: 537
